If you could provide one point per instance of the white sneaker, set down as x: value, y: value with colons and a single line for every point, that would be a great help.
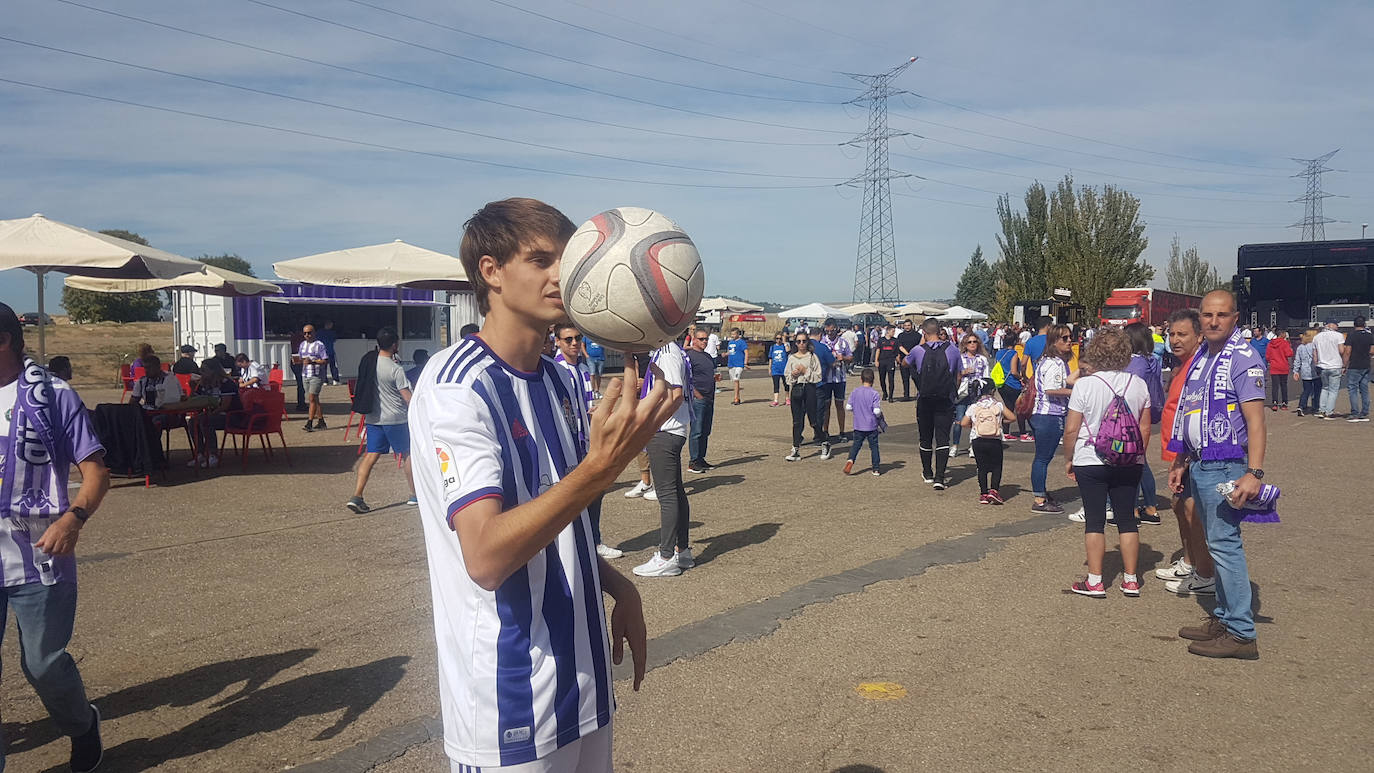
x: 1178, y: 570
x: 795, y: 455
x: 684, y: 558
x: 651, y: 494
x: 606, y: 551
x: 927, y: 478
x: 825, y: 451
x: 658, y: 566
x: 1077, y: 516
x: 1192, y: 585
x: 638, y: 490
x: 953, y: 451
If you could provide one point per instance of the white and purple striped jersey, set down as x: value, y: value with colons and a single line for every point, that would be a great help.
x: 525, y: 669
x: 582, y: 371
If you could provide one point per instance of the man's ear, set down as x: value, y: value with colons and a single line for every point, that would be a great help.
x: 490, y: 271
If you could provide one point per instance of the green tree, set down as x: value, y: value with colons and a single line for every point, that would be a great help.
x: 977, y: 288
x: 1022, y: 268
x: 1094, y: 241
x: 228, y: 261
x: 89, y: 306
x: 1189, y: 273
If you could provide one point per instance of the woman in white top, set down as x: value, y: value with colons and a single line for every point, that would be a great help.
x: 801, y: 374
x: 1052, y: 385
x: 973, y: 369
x: 1106, y: 355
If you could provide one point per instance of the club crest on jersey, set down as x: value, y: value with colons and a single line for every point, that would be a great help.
x: 448, y: 469
x: 568, y: 412
x: 1220, y: 428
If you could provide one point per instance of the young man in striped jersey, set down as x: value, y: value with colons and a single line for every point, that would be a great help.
x: 524, y: 672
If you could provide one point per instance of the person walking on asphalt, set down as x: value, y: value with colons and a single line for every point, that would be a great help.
x: 385, y: 424
x: 887, y: 363
x: 777, y: 366
x: 524, y: 673
x: 1328, y: 345
x: 907, y: 341
x: 703, y: 402
x: 1355, y: 357
x: 669, y: 365
x: 313, y: 359
x: 1219, y: 436
x: 44, y: 430
x: 830, y: 392
x: 935, y: 364
x: 737, y: 359
x: 1279, y: 356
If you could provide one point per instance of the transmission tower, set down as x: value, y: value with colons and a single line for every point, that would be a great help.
x: 875, y: 271
x: 1313, y: 223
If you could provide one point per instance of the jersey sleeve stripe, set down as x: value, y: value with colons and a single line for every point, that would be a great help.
x: 514, y: 670
x: 508, y: 486
x: 490, y: 492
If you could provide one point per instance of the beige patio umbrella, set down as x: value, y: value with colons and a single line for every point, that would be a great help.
x: 209, y: 280
x: 394, y: 264
x: 860, y: 309
x: 726, y: 304
x: 42, y: 245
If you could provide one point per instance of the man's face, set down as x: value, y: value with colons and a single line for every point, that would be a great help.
x: 527, y: 284
x: 700, y: 339
x: 309, y: 332
x: 1218, y: 314
x: 906, y: 326
x: 1183, y: 339
x: 569, y: 342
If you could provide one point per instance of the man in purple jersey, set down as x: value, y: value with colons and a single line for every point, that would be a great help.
x: 43, y: 431
x: 1219, y: 436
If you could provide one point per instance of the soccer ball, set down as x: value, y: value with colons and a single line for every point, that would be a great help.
x: 631, y: 279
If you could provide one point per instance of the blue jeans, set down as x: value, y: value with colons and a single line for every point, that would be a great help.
x: 44, y: 615
x: 1311, y: 390
x: 1149, y: 497
x: 1357, y: 384
x: 1331, y: 386
x: 1221, y: 523
x: 1048, y: 431
x: 703, y: 416
x: 956, y: 431
x: 860, y: 435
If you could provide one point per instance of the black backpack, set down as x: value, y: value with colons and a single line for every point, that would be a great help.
x: 937, y: 378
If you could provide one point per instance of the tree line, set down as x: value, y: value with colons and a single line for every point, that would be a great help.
x: 89, y: 306
x: 1086, y: 239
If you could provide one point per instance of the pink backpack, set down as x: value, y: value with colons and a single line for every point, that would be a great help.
x: 1118, y: 441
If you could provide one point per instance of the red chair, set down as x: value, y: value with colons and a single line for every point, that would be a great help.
x: 353, y: 382
x: 275, y: 379
x: 260, y: 417
x: 166, y: 367
x: 185, y: 379
x: 127, y: 377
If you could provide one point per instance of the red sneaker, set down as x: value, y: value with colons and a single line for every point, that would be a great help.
x: 983, y: 499
x: 848, y: 468
x: 1082, y: 588
x: 995, y: 498
x: 1130, y: 588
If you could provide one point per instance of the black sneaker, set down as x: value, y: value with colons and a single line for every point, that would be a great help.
x: 1153, y: 520
x: 938, y: 485
x: 319, y: 424
x: 706, y: 464
x: 309, y: 426
x: 696, y: 468
x: 87, y: 750
x: 357, y: 505
x: 1047, y: 507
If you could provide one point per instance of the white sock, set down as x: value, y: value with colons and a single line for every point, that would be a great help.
x: 1187, y: 567
x: 1129, y: 578
x: 1094, y: 579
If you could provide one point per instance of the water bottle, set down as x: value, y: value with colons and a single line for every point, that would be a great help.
x: 1264, y: 500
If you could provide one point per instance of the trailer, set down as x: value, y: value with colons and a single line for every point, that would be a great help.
x: 1277, y: 285
x: 1125, y: 305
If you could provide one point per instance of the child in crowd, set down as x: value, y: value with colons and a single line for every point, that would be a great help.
x: 984, y: 419
x: 866, y: 405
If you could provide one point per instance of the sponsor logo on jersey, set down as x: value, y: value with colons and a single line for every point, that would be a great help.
x: 516, y: 735
x: 448, y: 470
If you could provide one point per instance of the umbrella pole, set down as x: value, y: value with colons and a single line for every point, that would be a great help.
x: 42, y: 327
x: 399, y: 334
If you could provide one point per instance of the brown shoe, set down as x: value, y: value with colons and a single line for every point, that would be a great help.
x: 1210, y: 629
x: 1226, y: 646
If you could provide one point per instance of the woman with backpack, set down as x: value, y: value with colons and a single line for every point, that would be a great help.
x: 974, y: 367
x: 984, y: 419
x: 1052, y: 385
x: 1109, y: 421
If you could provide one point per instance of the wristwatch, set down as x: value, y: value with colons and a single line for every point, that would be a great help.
x: 1255, y: 471
x: 81, y: 513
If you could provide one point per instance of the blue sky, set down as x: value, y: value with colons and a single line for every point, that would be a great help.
x: 1202, y: 104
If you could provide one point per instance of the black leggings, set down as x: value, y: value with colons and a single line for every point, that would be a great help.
x: 934, y: 417
x: 777, y: 383
x: 1009, y: 395
x: 804, y: 410
x: 1099, y: 482
x: 1280, y: 386
x: 887, y: 376
x: 987, y: 452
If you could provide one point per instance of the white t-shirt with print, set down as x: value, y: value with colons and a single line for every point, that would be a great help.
x: 1092, y: 395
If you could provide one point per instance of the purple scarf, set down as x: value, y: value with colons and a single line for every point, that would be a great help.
x: 1217, y: 432
x: 33, y: 442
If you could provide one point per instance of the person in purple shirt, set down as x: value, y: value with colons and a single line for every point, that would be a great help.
x: 1148, y: 367
x: 936, y: 388
x: 865, y: 403
x: 44, y: 430
x: 1219, y: 436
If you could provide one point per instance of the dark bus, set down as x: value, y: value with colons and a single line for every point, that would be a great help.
x: 1278, y: 284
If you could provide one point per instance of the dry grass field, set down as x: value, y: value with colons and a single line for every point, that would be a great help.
x: 98, y: 349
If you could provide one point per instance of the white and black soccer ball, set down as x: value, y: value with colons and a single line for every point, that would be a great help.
x: 631, y: 279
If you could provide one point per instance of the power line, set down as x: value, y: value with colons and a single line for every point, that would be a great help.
x: 656, y: 49
x: 396, y: 148
x: 436, y: 89
x: 514, y: 71
x: 540, y: 52
x: 409, y: 121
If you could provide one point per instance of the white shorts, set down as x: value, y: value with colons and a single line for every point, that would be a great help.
x: 736, y: 374
x: 589, y: 754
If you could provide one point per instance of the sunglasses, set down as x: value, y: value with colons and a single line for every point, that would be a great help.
x: 571, y: 339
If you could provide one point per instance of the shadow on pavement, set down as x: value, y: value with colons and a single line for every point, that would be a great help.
x: 1146, y: 562
x: 709, y: 481
x: 857, y: 769
x: 742, y: 460
x: 184, y: 689
x: 352, y: 690
x: 733, y: 540
x: 649, y: 539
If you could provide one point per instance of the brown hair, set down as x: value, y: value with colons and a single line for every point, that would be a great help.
x: 1054, y: 333
x: 1109, y: 349
x: 501, y: 229
x: 144, y: 350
